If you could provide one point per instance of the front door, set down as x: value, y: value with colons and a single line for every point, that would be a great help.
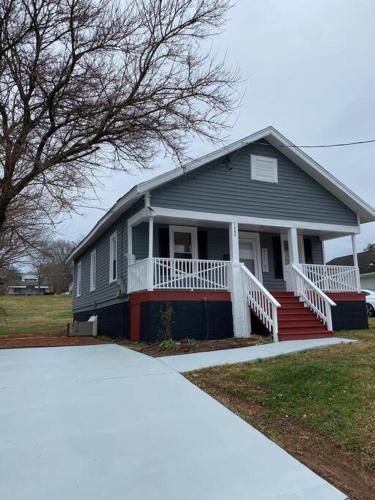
x: 250, y: 253
x: 286, y: 258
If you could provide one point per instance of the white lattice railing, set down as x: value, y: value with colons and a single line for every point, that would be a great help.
x: 314, y: 298
x: 138, y: 275
x: 330, y: 278
x: 190, y: 274
x: 261, y: 301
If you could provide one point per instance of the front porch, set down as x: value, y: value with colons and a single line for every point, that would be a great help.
x: 252, y: 262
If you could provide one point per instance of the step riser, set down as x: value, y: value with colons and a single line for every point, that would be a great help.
x: 299, y: 323
x: 304, y: 337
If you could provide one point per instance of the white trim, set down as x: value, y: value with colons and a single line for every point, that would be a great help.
x: 93, y: 270
x: 250, y: 236
x: 364, y: 211
x: 184, y: 229
x: 256, y: 162
x: 79, y: 279
x: 139, y: 216
x: 256, y: 221
x: 113, y: 256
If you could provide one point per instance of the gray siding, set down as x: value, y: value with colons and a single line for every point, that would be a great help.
x: 368, y: 282
x: 224, y: 187
x: 317, y: 250
x: 105, y: 291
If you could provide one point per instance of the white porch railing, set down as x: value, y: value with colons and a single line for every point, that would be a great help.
x: 330, y: 278
x: 261, y: 301
x: 188, y: 274
x: 314, y: 298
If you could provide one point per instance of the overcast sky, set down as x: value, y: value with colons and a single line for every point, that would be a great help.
x: 308, y: 70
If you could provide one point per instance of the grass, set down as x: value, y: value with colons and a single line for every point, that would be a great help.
x: 325, y: 395
x: 35, y: 315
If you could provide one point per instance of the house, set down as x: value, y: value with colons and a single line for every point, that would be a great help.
x: 232, y: 243
x: 366, y: 264
x: 28, y: 284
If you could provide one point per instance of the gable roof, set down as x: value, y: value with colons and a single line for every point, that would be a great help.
x: 365, y: 212
x: 366, y: 261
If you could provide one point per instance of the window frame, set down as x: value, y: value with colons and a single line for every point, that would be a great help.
x: 113, y: 257
x: 93, y: 270
x: 79, y: 279
x: 253, y: 169
x: 194, y: 239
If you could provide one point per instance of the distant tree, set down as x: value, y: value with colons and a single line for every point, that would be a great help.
x: 8, y: 276
x: 24, y: 231
x: 51, y: 266
x: 370, y: 246
x: 92, y: 84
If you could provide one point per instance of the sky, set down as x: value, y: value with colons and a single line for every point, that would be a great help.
x: 307, y: 68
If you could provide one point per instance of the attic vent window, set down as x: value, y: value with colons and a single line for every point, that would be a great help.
x: 264, y: 169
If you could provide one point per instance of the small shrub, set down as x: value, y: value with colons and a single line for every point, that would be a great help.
x: 167, y: 345
x: 166, y: 313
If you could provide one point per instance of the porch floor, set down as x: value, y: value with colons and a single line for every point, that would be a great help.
x: 196, y: 361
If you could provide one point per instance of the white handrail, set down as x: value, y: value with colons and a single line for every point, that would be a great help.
x: 332, y: 278
x: 261, y: 302
x: 313, y: 297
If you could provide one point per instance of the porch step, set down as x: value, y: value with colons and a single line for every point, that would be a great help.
x: 301, y: 322
x: 297, y: 322
x: 305, y: 336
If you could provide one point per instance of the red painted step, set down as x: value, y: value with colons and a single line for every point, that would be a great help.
x: 297, y: 321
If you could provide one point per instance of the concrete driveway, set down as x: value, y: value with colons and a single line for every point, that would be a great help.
x: 106, y: 423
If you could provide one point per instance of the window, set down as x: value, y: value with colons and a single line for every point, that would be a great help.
x: 113, y: 257
x: 78, y: 279
x: 183, y: 242
x: 264, y: 169
x: 93, y: 271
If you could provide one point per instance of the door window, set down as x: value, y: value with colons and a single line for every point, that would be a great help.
x: 183, y: 242
x: 249, y: 250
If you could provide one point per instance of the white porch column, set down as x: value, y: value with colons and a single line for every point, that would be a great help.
x: 150, y: 267
x: 293, y: 259
x: 240, y: 307
x: 355, y: 262
x: 293, y: 245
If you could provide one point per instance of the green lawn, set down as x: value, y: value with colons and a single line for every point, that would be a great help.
x: 325, y: 395
x: 41, y: 314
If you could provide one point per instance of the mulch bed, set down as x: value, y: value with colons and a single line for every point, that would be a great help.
x: 47, y: 339
x: 188, y: 347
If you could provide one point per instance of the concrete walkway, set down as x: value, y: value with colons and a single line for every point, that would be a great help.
x: 107, y: 423
x: 195, y: 361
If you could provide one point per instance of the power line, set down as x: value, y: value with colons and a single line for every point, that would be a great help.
x: 337, y: 145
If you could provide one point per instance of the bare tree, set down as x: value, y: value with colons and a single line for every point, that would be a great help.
x: 51, y: 266
x: 23, y: 233
x: 370, y: 246
x: 88, y: 84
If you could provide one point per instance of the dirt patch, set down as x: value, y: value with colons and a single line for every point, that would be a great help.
x: 187, y: 347
x: 47, y: 339
x: 321, y: 453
